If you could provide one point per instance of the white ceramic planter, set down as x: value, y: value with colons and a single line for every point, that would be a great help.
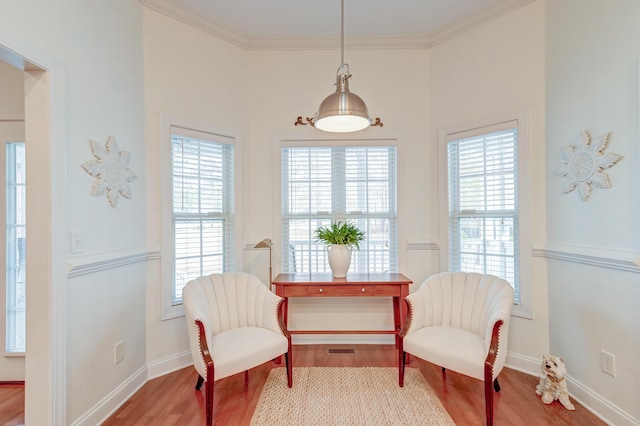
x: 339, y: 259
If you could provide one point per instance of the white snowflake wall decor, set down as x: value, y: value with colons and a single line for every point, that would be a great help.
x: 111, y: 170
x: 584, y: 165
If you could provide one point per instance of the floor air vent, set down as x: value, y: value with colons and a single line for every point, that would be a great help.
x: 342, y: 351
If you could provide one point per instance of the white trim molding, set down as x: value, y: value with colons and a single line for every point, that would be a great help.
x: 12, y: 115
x: 600, y: 407
x: 596, y: 404
x: 121, y: 394
x: 114, y: 400
x: 594, y: 256
x: 169, y: 364
x: 98, y: 262
x: 398, y: 42
x: 423, y: 244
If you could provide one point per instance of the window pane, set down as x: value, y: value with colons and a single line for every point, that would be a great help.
x: 16, y: 248
x: 325, y: 184
x: 202, y: 183
x: 483, y: 216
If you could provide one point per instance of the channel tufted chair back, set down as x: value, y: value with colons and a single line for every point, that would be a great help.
x: 234, y: 324
x: 460, y: 321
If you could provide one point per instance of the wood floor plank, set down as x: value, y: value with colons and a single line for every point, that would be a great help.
x: 12, y: 405
x: 173, y: 400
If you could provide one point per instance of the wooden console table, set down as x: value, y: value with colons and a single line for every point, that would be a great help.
x: 392, y: 285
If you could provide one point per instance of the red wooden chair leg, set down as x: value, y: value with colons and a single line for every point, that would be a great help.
x: 199, y: 382
x: 209, y: 401
x: 488, y: 398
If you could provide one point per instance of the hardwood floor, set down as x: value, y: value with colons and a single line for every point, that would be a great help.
x: 11, y: 404
x: 172, y: 399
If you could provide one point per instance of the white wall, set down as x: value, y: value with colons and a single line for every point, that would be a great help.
x: 393, y: 83
x: 12, y: 89
x: 194, y: 79
x: 11, y: 130
x: 495, y: 72
x: 592, y: 83
x: 95, y: 50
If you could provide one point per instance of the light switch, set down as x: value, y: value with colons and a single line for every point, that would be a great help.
x: 77, y: 242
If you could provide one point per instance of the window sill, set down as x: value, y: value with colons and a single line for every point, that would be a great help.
x: 14, y: 354
x: 171, y: 312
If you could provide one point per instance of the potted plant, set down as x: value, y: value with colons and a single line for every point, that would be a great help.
x: 340, y: 238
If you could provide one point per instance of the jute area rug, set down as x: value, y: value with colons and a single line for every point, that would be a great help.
x: 348, y: 396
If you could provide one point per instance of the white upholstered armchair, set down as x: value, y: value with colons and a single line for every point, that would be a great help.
x: 460, y: 321
x: 235, y: 324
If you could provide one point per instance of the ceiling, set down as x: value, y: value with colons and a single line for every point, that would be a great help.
x: 256, y: 24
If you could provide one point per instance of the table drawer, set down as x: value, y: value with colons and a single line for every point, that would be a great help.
x: 387, y: 290
x: 341, y: 290
x: 294, y: 291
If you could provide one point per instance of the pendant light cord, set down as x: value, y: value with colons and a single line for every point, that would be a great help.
x: 342, y: 32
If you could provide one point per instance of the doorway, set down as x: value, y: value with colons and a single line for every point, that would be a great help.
x: 12, y: 255
x: 44, y: 372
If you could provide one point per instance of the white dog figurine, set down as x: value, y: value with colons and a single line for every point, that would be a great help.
x: 553, y: 384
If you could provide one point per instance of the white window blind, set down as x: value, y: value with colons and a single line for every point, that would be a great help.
x: 15, y: 238
x: 202, y: 195
x: 483, y: 202
x: 325, y: 184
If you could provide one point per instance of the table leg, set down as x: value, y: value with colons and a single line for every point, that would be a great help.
x: 397, y: 319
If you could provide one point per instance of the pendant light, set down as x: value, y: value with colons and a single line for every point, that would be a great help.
x: 341, y: 111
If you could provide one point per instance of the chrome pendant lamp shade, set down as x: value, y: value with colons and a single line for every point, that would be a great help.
x: 342, y: 111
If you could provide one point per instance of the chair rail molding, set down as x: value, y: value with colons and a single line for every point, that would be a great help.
x: 98, y: 262
x: 423, y: 244
x: 11, y: 115
x: 621, y: 260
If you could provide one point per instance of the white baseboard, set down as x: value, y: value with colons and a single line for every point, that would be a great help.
x: 523, y: 364
x: 110, y: 403
x: 168, y: 364
x: 605, y: 410
x: 342, y: 339
x: 600, y: 407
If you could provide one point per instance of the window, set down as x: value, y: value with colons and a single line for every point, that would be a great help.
x: 202, y: 201
x: 483, y: 202
x: 15, y: 236
x: 324, y: 184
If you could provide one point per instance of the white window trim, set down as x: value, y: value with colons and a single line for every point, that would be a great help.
x: 525, y: 199
x: 168, y: 309
x: 313, y: 137
x: 337, y: 179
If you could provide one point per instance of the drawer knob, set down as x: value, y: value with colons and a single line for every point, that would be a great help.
x: 320, y: 290
x: 363, y: 289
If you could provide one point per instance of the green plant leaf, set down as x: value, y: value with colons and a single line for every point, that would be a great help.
x: 345, y: 233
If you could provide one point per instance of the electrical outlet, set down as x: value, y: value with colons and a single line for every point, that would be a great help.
x: 118, y: 352
x: 608, y: 363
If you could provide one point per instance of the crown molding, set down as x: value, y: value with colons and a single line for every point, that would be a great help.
x: 397, y: 42
x: 476, y: 21
x: 319, y: 43
x: 196, y: 21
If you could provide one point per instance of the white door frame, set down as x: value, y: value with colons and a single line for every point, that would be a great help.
x: 45, y: 369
